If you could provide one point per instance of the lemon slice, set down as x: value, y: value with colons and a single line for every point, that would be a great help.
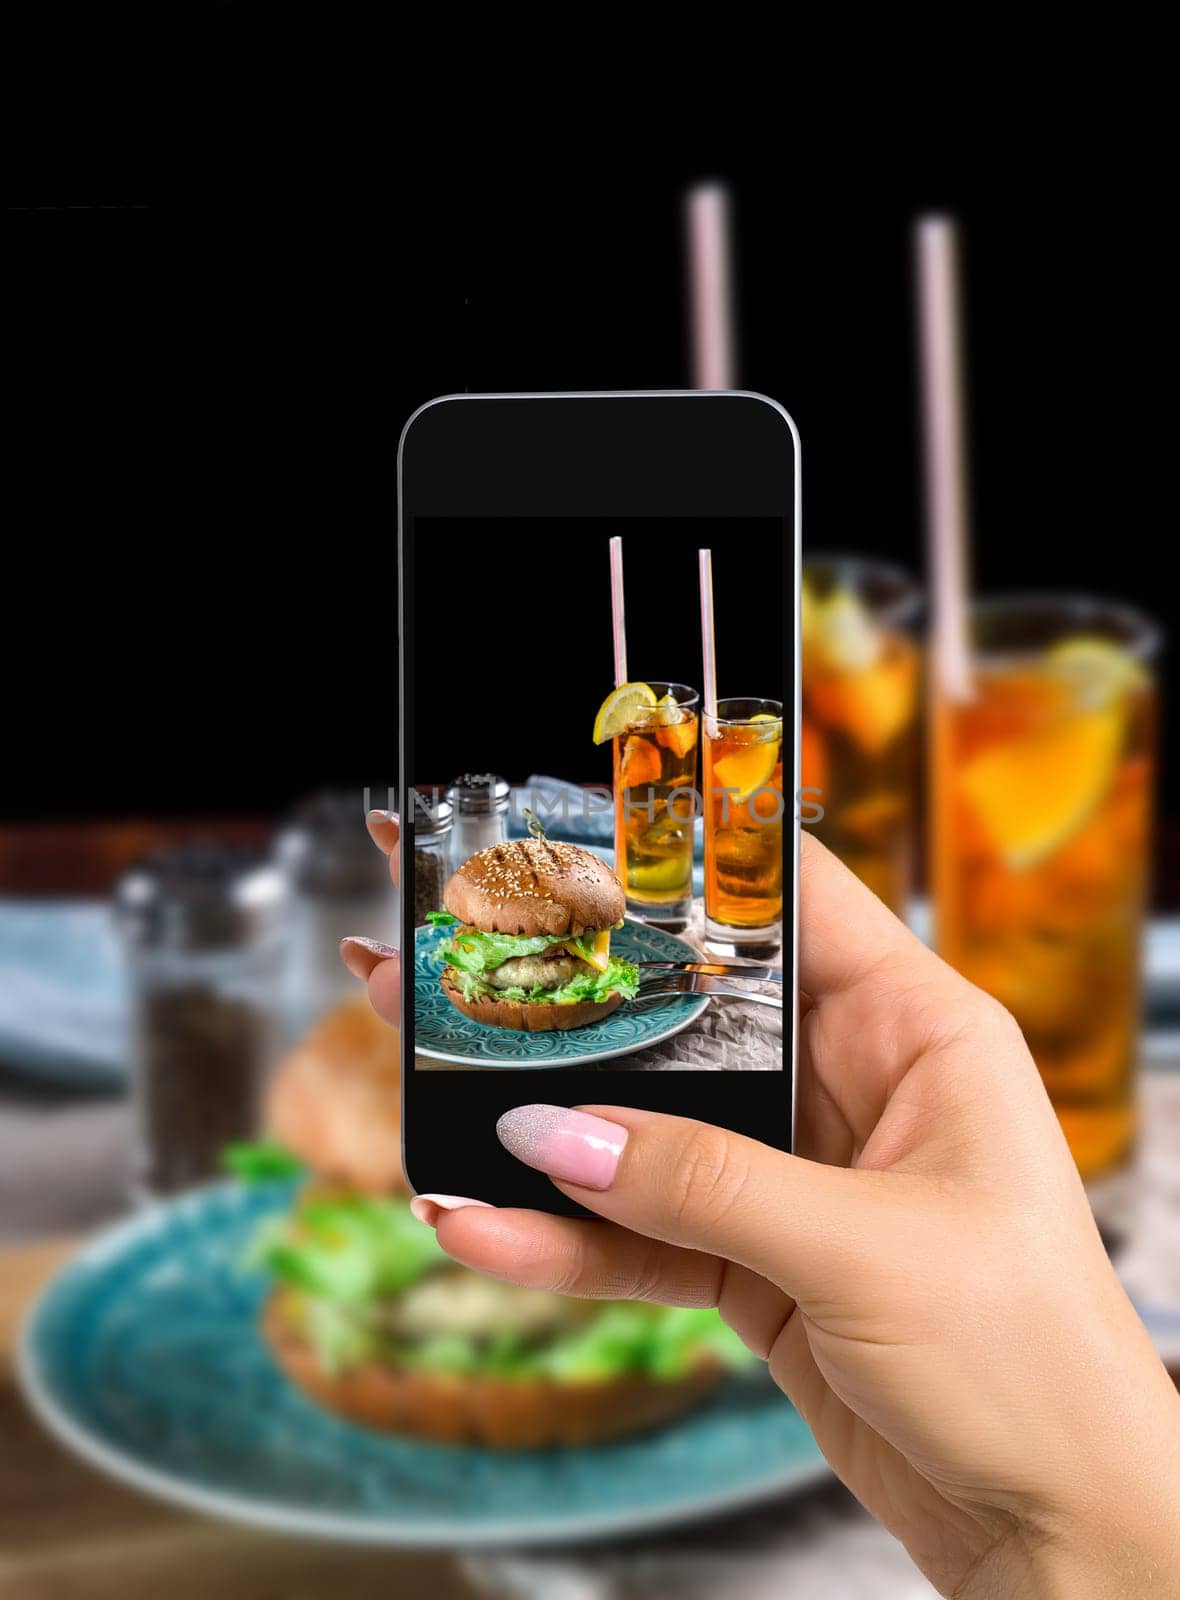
x: 1033, y: 793
x: 841, y: 631
x: 773, y: 732
x: 1100, y: 671
x: 620, y: 708
x: 667, y: 713
x: 746, y: 769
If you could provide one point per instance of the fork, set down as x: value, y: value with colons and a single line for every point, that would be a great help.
x: 712, y: 969
x: 671, y: 986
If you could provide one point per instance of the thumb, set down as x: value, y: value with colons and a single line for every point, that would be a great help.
x: 798, y: 1223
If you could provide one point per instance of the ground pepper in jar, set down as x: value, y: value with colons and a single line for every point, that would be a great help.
x: 431, y: 833
x: 202, y: 933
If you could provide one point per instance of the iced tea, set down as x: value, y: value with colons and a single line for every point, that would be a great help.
x: 860, y: 706
x: 1042, y: 804
x: 654, y: 823
x: 742, y: 794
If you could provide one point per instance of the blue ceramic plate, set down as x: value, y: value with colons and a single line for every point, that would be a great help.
x: 142, y: 1356
x: 445, y: 1034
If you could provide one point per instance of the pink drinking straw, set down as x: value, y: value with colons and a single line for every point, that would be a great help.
x: 616, y: 610
x: 708, y: 656
x: 944, y: 452
x: 710, y: 270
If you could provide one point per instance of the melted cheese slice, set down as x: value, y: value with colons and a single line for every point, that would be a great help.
x: 599, y: 956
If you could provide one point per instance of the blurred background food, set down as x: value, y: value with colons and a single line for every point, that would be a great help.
x: 203, y: 508
x: 371, y: 1319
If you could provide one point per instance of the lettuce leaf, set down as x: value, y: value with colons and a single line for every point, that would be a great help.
x: 441, y: 919
x: 620, y: 977
x: 354, y: 1249
x: 348, y: 1256
x: 261, y: 1161
x: 473, y: 951
x: 620, y: 1337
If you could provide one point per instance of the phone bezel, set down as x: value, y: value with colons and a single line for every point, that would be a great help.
x: 601, y: 453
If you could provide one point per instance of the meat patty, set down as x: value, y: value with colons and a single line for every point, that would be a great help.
x: 534, y: 972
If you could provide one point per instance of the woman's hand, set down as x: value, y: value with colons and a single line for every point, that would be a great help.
x: 925, y: 1278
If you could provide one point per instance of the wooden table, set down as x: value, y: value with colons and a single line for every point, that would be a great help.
x: 66, y: 1531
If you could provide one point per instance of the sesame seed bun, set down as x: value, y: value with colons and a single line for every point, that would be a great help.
x: 535, y: 886
x: 528, y: 1017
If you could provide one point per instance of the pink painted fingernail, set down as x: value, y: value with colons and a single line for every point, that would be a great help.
x: 378, y: 822
x: 426, y: 1207
x: 571, y: 1145
x: 361, y: 955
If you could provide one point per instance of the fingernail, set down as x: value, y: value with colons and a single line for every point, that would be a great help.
x: 571, y: 1145
x: 361, y: 955
x: 377, y: 822
x: 426, y: 1207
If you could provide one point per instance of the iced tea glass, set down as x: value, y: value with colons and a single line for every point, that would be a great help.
x: 742, y: 797
x: 861, y: 679
x: 1041, y: 812
x: 655, y: 772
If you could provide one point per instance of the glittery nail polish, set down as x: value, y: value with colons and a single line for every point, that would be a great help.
x: 361, y: 955
x: 570, y: 1145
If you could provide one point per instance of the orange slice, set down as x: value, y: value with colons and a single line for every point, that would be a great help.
x: 872, y: 704
x: 640, y: 764
x: 747, y: 768
x: 1033, y: 793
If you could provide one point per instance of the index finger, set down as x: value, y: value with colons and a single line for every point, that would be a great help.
x: 385, y: 831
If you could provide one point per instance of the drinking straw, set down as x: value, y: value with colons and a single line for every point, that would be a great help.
x: 940, y: 356
x: 710, y: 266
x: 708, y: 654
x: 616, y: 610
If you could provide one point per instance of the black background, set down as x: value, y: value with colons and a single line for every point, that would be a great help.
x: 513, y: 623
x: 200, y: 476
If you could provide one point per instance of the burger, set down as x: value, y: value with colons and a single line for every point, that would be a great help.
x: 369, y: 1318
x: 530, y: 924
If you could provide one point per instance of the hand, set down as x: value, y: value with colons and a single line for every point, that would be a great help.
x: 925, y: 1279
x: 369, y: 959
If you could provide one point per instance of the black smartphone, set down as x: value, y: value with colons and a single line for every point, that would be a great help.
x: 599, y: 768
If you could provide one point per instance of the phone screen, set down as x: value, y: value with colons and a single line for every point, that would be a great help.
x: 585, y: 827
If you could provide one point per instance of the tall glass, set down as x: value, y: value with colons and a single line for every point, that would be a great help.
x: 742, y: 796
x: 655, y: 772
x: 861, y: 677
x: 1042, y: 807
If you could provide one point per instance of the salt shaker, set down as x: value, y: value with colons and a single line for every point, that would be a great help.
x: 480, y: 801
x: 202, y: 933
x: 337, y: 883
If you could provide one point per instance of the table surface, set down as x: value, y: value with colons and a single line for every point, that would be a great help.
x: 66, y: 1531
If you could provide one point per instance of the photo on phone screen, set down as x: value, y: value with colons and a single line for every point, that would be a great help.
x: 587, y: 826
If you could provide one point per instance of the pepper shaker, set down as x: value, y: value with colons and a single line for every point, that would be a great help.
x: 201, y: 928
x: 433, y: 819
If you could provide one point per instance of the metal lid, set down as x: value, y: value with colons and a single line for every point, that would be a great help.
x: 200, y: 897
x: 432, y: 814
x: 479, y: 794
x: 325, y: 847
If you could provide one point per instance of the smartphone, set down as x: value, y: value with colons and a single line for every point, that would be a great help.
x: 599, y: 767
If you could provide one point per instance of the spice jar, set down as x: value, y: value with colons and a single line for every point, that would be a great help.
x: 337, y: 883
x: 433, y: 818
x: 480, y: 801
x: 201, y: 929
